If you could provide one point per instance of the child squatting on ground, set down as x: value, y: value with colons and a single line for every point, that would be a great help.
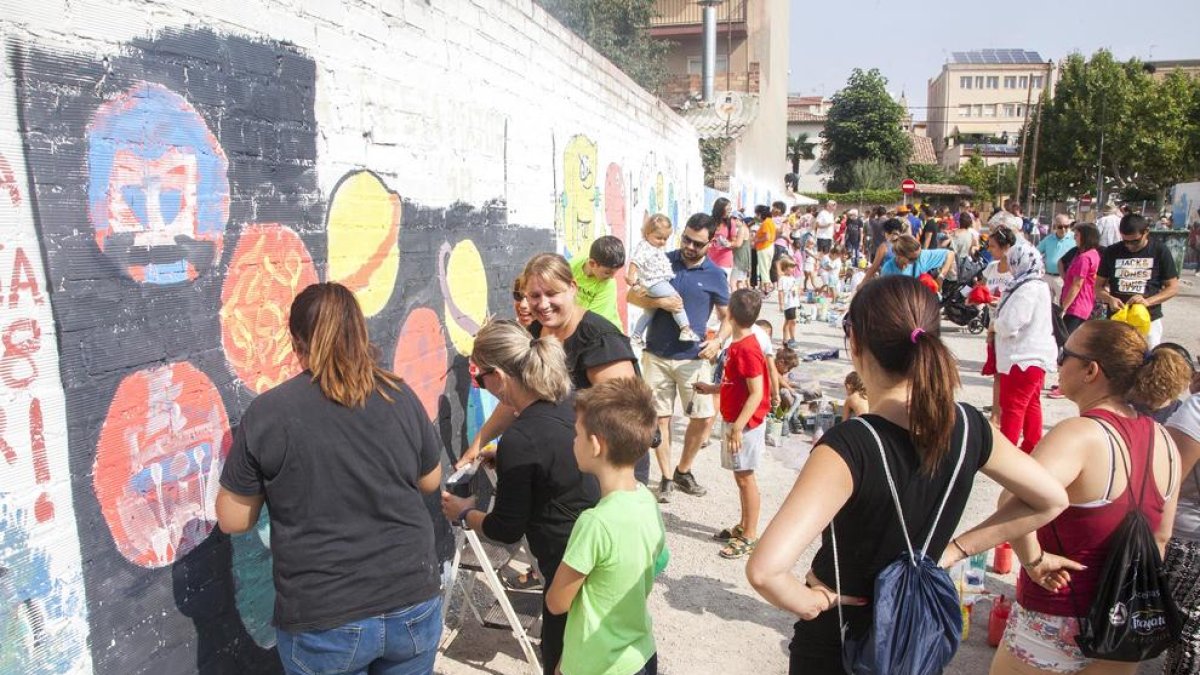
x: 744, y: 407
x: 618, y: 546
x: 650, y: 269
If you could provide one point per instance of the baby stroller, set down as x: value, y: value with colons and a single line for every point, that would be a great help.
x: 956, y: 309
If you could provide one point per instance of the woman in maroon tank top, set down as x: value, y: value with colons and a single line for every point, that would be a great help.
x: 1103, y: 457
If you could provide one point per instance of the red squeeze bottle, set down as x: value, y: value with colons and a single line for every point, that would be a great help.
x: 1002, y: 558
x: 997, y: 621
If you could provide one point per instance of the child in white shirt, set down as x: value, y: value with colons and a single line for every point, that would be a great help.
x: 789, y: 298
x: 831, y: 272
x: 649, y: 268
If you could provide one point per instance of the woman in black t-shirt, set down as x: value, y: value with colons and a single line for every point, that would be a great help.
x: 892, y: 332
x: 341, y: 455
x: 595, y: 349
x: 539, y: 489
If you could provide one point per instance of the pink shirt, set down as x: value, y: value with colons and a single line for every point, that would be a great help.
x: 719, y: 251
x: 1083, y: 266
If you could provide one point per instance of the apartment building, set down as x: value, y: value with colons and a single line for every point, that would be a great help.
x: 750, y: 86
x: 978, y: 103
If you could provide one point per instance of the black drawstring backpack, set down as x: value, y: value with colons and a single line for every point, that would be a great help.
x: 916, y: 623
x: 1133, y: 616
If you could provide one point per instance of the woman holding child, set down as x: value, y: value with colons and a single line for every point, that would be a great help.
x: 540, y: 491
x: 892, y: 332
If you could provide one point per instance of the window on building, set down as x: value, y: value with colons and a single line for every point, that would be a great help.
x: 979, y: 82
x: 695, y: 65
x: 1010, y: 110
x: 1010, y: 82
x: 964, y: 82
x: 1037, y: 81
x: 989, y: 110
x: 964, y: 111
x: 1020, y: 111
x: 977, y: 111
x: 993, y: 82
x: 1024, y: 82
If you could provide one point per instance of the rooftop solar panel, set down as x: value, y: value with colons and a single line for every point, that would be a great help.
x: 996, y: 56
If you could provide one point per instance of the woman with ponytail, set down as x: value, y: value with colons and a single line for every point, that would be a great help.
x: 892, y: 333
x: 540, y: 491
x: 341, y: 455
x: 1099, y: 456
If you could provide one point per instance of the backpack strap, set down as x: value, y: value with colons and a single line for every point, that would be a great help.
x: 1170, y: 462
x: 962, y: 452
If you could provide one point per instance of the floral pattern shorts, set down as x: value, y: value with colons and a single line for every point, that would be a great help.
x: 1044, y: 641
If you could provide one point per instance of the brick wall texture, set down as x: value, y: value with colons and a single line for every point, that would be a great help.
x: 171, y: 175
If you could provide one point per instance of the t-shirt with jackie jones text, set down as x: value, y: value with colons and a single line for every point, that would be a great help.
x: 1142, y: 273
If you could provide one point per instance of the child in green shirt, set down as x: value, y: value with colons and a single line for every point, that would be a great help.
x: 618, y: 546
x: 594, y: 277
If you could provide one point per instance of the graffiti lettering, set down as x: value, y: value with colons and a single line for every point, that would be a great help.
x: 8, y: 182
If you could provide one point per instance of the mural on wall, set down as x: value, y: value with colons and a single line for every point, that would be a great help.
x: 174, y: 247
x: 580, y: 198
x: 43, y: 613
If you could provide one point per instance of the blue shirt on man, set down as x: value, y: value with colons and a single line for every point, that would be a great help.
x: 1052, y: 249
x: 702, y: 288
x: 928, y: 260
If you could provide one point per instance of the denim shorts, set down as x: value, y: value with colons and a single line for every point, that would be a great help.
x: 403, y: 641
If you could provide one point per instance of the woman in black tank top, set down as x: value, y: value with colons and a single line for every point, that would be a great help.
x: 892, y: 334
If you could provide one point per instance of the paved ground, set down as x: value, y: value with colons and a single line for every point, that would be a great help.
x: 707, y: 618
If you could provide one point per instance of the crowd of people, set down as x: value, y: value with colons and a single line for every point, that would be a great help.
x: 343, y: 455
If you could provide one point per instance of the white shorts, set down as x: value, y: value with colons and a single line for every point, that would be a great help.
x: 754, y: 443
x: 1154, y: 337
x: 739, y: 274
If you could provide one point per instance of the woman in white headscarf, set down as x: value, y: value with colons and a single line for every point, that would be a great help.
x: 1025, y: 346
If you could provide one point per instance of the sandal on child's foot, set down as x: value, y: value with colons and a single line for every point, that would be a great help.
x: 686, y: 334
x: 738, y: 547
x: 729, y: 533
x: 528, y: 581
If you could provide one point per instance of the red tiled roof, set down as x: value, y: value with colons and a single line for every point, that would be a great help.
x: 795, y: 115
x: 922, y: 150
x: 804, y: 100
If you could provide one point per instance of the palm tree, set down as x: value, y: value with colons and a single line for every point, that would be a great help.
x: 799, y: 148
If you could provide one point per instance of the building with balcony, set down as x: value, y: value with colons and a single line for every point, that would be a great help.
x: 978, y: 103
x: 750, y: 85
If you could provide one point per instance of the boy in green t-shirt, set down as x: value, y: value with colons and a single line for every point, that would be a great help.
x: 618, y: 546
x: 594, y: 277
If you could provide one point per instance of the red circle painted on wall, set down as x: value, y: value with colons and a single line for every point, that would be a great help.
x: 158, y: 463
x: 421, y: 357
x: 269, y: 267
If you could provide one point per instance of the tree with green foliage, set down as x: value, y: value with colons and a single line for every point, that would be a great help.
x: 1145, y: 126
x: 927, y: 173
x: 863, y: 123
x: 799, y: 148
x: 618, y: 29
x: 873, y: 174
x: 975, y: 175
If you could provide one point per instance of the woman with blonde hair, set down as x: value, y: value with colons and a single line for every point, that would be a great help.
x: 595, y: 349
x: 341, y: 455
x: 1110, y: 459
x: 539, y: 490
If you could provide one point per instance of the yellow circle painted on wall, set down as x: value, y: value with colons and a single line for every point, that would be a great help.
x: 363, y: 227
x: 465, y: 289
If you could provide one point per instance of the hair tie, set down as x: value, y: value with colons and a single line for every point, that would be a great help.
x: 532, y: 342
x: 1148, y: 356
x: 917, y: 332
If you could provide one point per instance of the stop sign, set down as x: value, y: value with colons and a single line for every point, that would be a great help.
x: 1085, y: 200
x: 908, y: 186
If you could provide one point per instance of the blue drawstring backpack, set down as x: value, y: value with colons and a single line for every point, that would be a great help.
x: 916, y: 623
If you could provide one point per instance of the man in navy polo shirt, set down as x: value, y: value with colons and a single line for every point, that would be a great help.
x: 672, y: 367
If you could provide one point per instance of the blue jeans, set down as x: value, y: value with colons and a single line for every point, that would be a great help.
x: 401, y: 642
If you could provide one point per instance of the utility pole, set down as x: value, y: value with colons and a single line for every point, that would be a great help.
x: 1037, y: 137
x: 1024, y: 137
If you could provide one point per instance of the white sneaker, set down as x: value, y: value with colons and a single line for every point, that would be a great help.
x: 638, y: 341
x: 686, y: 334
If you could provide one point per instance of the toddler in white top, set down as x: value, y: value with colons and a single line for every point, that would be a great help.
x: 649, y: 268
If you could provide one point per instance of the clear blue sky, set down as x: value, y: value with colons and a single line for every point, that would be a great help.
x: 910, y: 40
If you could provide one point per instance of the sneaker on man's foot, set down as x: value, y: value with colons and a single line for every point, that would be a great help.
x: 664, y: 490
x: 687, y: 483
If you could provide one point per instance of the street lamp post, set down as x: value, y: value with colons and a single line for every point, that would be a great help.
x: 709, y: 65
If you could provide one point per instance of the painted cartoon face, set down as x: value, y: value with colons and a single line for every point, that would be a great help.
x: 580, y: 196
x: 158, y: 192
x: 158, y: 462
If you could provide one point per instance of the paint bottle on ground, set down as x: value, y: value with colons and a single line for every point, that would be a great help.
x: 997, y: 620
x: 1002, y: 558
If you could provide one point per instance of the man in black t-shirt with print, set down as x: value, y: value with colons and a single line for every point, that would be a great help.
x: 1136, y: 271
